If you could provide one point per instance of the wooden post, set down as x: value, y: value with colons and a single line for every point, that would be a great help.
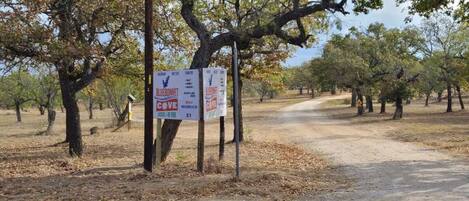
x: 129, y: 116
x: 201, y: 130
x: 221, y: 146
x: 148, y: 130
x: 157, y: 145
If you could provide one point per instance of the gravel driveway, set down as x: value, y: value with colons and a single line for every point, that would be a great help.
x: 380, y: 168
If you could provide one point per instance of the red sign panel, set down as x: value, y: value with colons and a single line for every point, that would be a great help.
x: 167, y: 100
x: 211, y: 98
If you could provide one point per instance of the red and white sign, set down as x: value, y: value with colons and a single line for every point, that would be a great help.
x: 214, y: 92
x: 169, y: 102
x: 211, y: 98
x: 176, y: 94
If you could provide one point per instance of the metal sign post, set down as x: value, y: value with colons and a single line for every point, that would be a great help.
x: 236, y: 104
x: 148, y: 140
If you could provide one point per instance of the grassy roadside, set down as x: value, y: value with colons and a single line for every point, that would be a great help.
x: 31, y: 167
x: 427, y: 126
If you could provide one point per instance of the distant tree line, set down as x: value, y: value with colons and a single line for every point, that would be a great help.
x: 392, y: 65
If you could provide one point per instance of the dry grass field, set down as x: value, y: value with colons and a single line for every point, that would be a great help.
x: 431, y: 127
x: 35, y: 167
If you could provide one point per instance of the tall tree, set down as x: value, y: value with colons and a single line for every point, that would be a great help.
x: 17, y: 90
x: 75, y: 36
x: 444, y: 41
x: 226, y: 22
x: 46, y: 92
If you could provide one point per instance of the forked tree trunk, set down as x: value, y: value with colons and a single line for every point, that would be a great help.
x: 461, y: 103
x: 427, y: 97
x: 369, y: 103
x: 354, y: 98
x: 399, y: 109
x: 449, y: 107
x: 72, y: 115
x: 18, y: 111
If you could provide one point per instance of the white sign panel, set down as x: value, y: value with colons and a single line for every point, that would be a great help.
x: 176, y: 94
x: 214, y: 92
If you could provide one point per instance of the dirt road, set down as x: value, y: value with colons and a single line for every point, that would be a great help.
x: 381, y: 168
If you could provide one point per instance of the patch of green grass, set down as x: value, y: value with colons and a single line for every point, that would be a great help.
x: 180, y: 157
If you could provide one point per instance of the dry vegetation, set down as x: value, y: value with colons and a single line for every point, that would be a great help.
x: 36, y: 167
x: 430, y: 126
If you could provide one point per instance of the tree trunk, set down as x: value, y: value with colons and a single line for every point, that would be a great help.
x: 168, y: 133
x: 383, y: 106
x: 449, y: 108
x: 50, y: 120
x: 427, y: 96
x: 18, y: 111
x: 313, y: 94
x: 301, y: 90
x: 440, y: 97
x: 461, y: 103
x: 101, y: 106
x: 359, y: 102
x: 90, y: 107
x: 307, y: 91
x: 369, y: 103
x: 73, y: 128
x: 50, y: 112
x: 42, y: 110
x: 72, y: 115
x: 62, y: 109
x: 399, y: 109
x: 333, y: 90
x: 354, y: 98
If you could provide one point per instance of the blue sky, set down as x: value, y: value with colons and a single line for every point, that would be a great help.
x: 391, y: 16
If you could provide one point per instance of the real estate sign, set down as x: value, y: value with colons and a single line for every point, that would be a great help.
x: 214, y: 92
x: 176, y: 94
